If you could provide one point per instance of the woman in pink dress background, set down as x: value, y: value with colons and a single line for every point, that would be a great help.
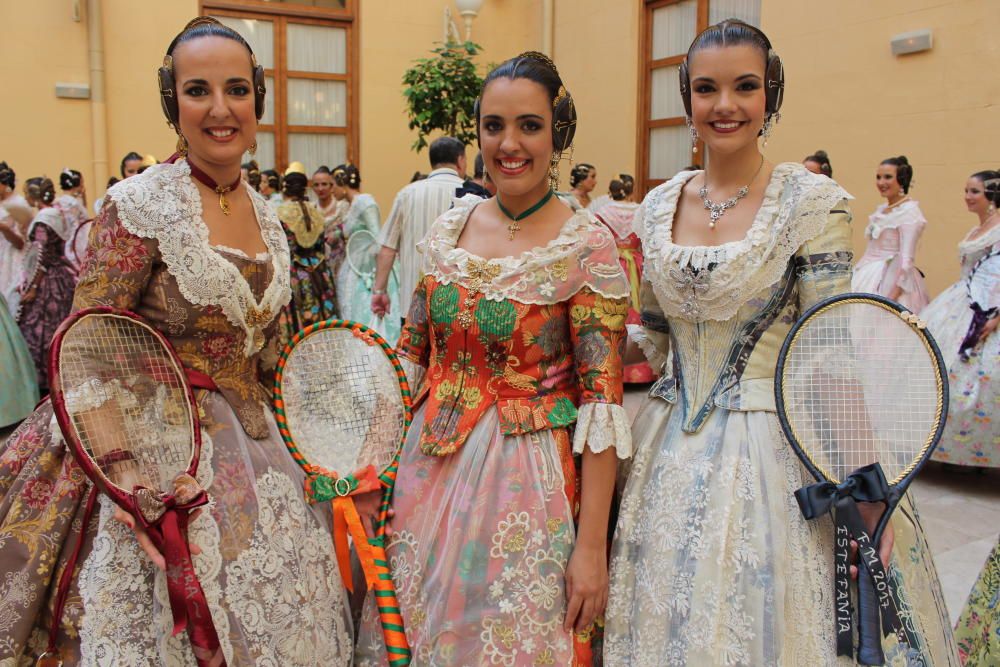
x: 887, y: 267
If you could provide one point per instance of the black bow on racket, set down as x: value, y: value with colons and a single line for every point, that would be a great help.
x: 867, y: 485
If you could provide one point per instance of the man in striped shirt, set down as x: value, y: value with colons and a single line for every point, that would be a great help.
x: 416, y: 206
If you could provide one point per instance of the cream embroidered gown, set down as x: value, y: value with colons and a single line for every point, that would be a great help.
x: 712, y: 563
x: 272, y: 586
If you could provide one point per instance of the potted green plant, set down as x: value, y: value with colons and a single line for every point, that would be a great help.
x: 441, y: 92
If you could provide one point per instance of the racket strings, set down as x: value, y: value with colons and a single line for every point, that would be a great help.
x: 859, y: 387
x: 126, y: 398
x: 342, y: 402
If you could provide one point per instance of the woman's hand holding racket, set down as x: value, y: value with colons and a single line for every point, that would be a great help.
x: 862, y: 397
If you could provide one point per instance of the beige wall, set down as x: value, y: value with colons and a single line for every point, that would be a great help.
x: 596, y: 49
x: 847, y: 94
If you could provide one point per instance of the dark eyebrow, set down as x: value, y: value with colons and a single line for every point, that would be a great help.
x: 523, y: 116
x: 741, y: 77
x: 203, y: 82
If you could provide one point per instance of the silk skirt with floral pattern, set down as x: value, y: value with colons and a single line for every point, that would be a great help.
x: 978, y: 629
x: 972, y: 433
x: 481, y: 540
x: 713, y: 564
x: 273, y: 589
x: 17, y: 373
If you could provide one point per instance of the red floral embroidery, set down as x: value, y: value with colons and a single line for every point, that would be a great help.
x: 116, y: 248
x: 37, y: 493
x: 218, y: 347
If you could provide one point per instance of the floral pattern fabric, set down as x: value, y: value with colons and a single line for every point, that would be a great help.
x: 52, y: 279
x: 274, y: 593
x: 487, y: 488
x: 17, y: 372
x: 712, y: 562
x: 971, y: 435
x: 314, y: 290
x: 978, y: 629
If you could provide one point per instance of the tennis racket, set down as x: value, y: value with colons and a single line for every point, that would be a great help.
x: 983, y: 287
x: 862, y: 397
x: 343, y: 407
x: 124, y: 405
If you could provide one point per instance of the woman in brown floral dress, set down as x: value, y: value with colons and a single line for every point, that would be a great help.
x: 211, y: 273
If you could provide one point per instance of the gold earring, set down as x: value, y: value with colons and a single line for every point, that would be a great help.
x: 253, y: 147
x: 182, y: 145
x: 554, y: 171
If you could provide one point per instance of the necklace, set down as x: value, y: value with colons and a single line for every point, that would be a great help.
x: 513, y: 227
x: 900, y: 201
x: 221, y: 190
x: 717, y: 209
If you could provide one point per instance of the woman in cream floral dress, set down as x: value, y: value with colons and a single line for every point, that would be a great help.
x: 159, y: 248
x: 712, y: 562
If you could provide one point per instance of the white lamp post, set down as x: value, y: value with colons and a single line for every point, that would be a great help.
x: 468, y: 9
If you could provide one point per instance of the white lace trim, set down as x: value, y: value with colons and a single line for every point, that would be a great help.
x: 164, y: 204
x: 618, y: 215
x: 602, y: 425
x: 698, y: 283
x: 908, y: 213
x: 638, y: 335
x: 985, y: 241
x: 262, y: 256
x: 584, y: 254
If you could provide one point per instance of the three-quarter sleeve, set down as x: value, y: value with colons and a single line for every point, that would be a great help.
x: 823, y: 264
x: 597, y: 333
x: 909, y: 236
x: 118, y: 266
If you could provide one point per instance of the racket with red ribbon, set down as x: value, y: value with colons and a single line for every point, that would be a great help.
x: 126, y: 409
x: 343, y: 407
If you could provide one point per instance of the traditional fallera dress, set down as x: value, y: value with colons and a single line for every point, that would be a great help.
x: 516, y: 350
x: 978, y: 629
x: 274, y: 591
x: 76, y: 215
x: 314, y: 290
x: 14, y: 212
x: 53, y: 279
x: 354, y: 291
x: 334, y: 214
x: 712, y: 561
x: 18, y: 383
x: 972, y: 433
x: 618, y: 216
x: 893, y: 234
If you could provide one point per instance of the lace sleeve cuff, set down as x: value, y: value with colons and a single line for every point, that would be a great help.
x: 603, y: 425
x: 644, y: 339
x: 414, y: 374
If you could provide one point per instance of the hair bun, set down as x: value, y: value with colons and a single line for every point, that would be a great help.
x: 902, y: 158
x: 821, y: 153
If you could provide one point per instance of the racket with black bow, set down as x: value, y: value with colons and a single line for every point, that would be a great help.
x: 125, y: 407
x: 862, y: 394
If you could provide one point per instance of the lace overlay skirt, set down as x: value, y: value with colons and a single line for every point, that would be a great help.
x: 481, y: 539
x: 712, y: 563
x: 273, y: 589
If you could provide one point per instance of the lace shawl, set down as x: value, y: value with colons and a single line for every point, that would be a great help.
x: 618, y: 215
x: 987, y: 240
x: 163, y: 203
x: 907, y: 213
x: 583, y: 255
x: 699, y: 283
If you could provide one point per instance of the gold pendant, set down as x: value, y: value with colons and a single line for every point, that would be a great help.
x: 223, y: 203
x: 512, y: 229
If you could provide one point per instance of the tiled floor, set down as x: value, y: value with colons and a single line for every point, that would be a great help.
x: 960, y: 513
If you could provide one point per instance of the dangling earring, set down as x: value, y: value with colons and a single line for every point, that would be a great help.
x: 991, y: 211
x: 694, y: 134
x: 769, y: 124
x: 554, y: 171
x: 182, y: 145
x: 253, y: 148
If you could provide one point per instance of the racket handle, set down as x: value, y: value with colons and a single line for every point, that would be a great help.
x: 869, y: 620
x: 390, y: 614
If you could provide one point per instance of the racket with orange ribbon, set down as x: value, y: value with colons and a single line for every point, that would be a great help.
x: 126, y: 409
x: 343, y: 407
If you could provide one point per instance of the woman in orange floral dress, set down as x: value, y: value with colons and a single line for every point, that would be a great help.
x: 517, y: 331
